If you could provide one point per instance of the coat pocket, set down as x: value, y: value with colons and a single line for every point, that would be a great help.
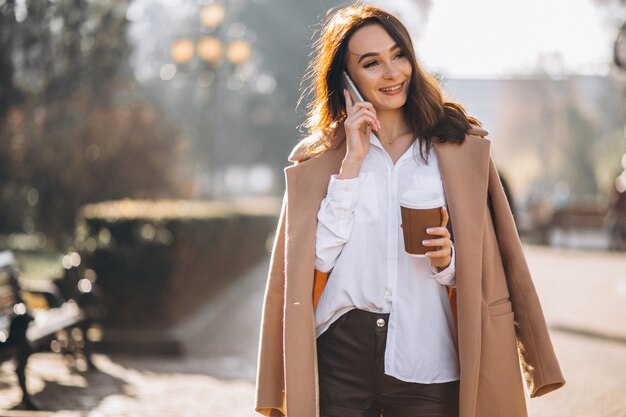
x: 500, y: 389
x: 500, y: 307
x: 366, y: 209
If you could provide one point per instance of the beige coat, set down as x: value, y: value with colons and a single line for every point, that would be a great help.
x: 500, y: 321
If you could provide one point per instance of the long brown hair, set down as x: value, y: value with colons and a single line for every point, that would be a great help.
x: 427, y: 113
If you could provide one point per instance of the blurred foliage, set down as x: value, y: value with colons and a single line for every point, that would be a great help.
x: 75, y: 127
x: 37, y: 266
x: 268, y: 131
x: 563, y: 136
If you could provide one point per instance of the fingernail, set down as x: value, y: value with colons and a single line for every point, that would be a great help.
x: 429, y: 230
x: 345, y: 91
x: 425, y: 242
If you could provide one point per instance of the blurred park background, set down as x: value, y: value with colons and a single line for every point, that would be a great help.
x: 142, y: 144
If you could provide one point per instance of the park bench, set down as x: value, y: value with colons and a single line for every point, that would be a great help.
x: 571, y: 219
x: 34, y: 319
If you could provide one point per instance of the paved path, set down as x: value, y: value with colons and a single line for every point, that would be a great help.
x: 583, y: 295
x: 584, y: 298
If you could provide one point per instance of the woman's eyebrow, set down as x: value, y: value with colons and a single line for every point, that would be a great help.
x: 368, y: 54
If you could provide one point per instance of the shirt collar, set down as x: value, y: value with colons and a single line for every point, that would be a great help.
x: 408, y: 154
x: 375, y: 141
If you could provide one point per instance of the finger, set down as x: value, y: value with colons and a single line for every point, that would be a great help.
x: 365, y: 104
x: 363, y: 120
x: 362, y: 110
x: 444, y: 216
x: 441, y: 253
x: 369, y: 107
x: 366, y: 112
x: 356, y: 119
x: 438, y: 231
x: 437, y: 242
x: 348, y: 100
x: 358, y: 107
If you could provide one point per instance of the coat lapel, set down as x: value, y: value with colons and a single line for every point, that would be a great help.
x: 464, y: 172
x: 307, y: 184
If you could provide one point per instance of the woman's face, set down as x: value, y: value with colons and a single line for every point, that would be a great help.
x: 378, y: 67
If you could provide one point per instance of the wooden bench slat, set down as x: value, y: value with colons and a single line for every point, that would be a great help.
x: 48, y: 322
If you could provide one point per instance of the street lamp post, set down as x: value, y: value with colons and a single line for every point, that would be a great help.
x: 213, y: 50
x: 617, y: 211
x: 619, y: 49
x: 619, y: 57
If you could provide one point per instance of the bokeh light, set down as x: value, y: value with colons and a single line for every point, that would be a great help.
x: 213, y: 15
x: 182, y: 51
x: 210, y: 48
x: 238, y: 51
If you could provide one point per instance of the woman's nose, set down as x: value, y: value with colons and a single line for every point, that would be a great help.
x: 390, y: 72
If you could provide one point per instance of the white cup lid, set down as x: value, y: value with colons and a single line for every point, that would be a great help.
x: 421, y: 199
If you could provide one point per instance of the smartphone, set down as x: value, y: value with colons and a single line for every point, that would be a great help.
x: 348, y: 84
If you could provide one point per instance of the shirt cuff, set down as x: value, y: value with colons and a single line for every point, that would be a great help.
x: 446, y: 277
x: 344, y: 194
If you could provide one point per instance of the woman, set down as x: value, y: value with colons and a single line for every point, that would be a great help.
x: 352, y: 326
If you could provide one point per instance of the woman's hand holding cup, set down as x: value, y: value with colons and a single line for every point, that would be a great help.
x: 442, y: 257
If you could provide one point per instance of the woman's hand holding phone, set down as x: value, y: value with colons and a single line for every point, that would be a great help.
x: 358, y: 125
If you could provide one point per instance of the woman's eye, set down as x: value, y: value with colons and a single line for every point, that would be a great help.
x: 372, y: 63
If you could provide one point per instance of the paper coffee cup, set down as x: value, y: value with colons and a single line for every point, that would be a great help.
x: 420, y: 210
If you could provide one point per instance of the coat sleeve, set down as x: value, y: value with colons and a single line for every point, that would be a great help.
x: 539, y: 363
x: 270, y: 382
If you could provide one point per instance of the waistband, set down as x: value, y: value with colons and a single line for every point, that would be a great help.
x: 365, y: 319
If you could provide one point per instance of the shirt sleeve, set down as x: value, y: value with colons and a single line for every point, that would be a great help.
x: 446, y: 277
x: 335, y: 219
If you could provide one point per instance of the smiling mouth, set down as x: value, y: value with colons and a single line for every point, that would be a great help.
x: 391, y: 89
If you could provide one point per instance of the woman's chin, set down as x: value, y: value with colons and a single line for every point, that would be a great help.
x: 387, y: 104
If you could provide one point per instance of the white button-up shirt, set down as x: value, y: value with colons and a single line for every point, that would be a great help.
x: 360, y: 239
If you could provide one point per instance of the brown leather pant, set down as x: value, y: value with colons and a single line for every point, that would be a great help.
x: 352, y: 381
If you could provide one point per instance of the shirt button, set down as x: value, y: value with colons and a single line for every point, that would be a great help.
x: 388, y: 293
x: 380, y: 322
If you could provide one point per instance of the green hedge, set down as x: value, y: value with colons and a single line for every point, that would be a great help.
x: 158, y: 262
